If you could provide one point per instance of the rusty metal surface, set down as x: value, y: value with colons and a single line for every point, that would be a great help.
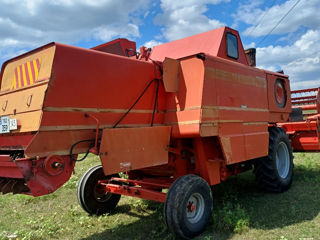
x: 37, y: 178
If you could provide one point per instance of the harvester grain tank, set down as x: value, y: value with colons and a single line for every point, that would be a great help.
x: 183, y: 116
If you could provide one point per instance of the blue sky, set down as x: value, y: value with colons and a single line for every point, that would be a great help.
x: 294, y: 45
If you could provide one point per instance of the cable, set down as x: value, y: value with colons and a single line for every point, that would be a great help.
x: 265, y: 13
x: 278, y: 23
x: 86, y: 154
x: 132, y: 106
x: 309, y: 55
x: 155, y: 102
x: 128, y: 50
x: 123, y: 116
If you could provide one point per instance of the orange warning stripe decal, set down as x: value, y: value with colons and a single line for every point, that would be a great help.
x: 26, y: 74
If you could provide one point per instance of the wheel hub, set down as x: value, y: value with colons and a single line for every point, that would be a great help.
x: 191, y: 207
x: 100, y: 194
x: 195, y: 208
x: 283, y: 160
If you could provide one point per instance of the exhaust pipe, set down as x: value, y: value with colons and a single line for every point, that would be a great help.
x: 251, y: 56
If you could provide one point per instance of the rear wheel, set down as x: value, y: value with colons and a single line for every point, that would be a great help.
x: 92, y: 197
x: 274, y: 172
x: 188, y: 206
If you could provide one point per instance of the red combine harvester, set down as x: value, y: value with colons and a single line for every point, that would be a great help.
x: 183, y: 117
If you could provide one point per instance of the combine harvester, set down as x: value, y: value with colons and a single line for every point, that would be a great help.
x: 183, y: 116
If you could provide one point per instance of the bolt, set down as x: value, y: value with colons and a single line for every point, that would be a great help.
x: 57, y: 165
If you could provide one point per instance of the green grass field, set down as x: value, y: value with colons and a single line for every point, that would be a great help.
x: 241, y: 211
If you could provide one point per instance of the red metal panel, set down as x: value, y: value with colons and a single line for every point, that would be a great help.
x: 235, y: 102
x: 185, y: 131
x: 208, y: 159
x: 208, y: 42
x: 8, y: 168
x: 171, y: 68
x: 119, y: 46
x: 99, y: 80
x: 58, y: 142
x: 184, y: 106
x: 15, y: 142
x: 278, y: 114
x: 212, y: 43
x: 68, y: 119
x: 39, y: 181
x: 136, y: 192
x: 305, y: 142
x: 124, y: 149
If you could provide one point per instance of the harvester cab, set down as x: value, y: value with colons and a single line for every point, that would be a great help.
x: 183, y: 117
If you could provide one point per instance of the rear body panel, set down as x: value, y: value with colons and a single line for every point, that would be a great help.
x: 52, y: 109
x: 73, y: 81
x: 24, y: 81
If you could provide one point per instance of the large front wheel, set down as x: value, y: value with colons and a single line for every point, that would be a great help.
x: 92, y: 197
x: 274, y: 172
x: 188, y: 206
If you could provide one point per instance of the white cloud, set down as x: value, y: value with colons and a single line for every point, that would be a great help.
x: 185, y: 18
x: 300, y: 60
x: 28, y: 24
x: 297, y: 50
x: 151, y: 43
x: 306, y: 14
x: 105, y: 33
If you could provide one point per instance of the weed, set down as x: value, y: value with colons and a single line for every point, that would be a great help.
x: 231, y: 218
x: 72, y: 183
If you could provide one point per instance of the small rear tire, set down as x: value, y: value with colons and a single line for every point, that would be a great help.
x: 274, y: 172
x: 188, y: 206
x: 92, y: 197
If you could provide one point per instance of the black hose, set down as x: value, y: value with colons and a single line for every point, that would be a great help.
x: 86, y: 154
x: 138, y: 99
x: 155, y: 102
x: 122, y: 117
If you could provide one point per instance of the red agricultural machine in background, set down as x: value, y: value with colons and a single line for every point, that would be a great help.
x: 183, y: 116
x: 303, y: 127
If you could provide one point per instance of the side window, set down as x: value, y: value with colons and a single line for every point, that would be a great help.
x: 232, y: 46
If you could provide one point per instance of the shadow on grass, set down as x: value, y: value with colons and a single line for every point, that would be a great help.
x: 270, y: 210
x: 240, y: 199
x: 147, y: 226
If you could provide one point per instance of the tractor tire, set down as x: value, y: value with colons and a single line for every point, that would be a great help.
x: 188, y: 206
x: 296, y: 115
x: 274, y: 172
x: 92, y: 200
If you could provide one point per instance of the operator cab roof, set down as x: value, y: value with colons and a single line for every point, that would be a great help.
x: 221, y: 42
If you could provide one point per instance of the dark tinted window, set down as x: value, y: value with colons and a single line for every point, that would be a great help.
x: 232, y: 46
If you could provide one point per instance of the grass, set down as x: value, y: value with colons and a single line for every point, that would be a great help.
x: 241, y: 211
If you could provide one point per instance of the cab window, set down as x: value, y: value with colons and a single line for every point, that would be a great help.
x: 232, y: 46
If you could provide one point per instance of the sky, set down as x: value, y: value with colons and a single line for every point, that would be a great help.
x: 286, y: 33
